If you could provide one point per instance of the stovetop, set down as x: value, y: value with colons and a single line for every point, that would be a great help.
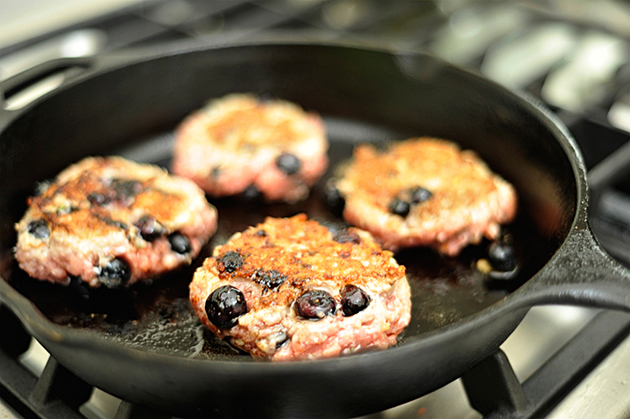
x: 575, y: 56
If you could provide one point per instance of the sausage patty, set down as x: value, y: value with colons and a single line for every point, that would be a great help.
x: 425, y: 192
x: 238, y: 144
x: 113, y: 222
x: 290, y: 289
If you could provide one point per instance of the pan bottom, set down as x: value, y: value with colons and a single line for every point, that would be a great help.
x: 158, y: 317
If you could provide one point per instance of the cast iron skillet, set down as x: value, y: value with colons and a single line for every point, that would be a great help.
x: 145, y: 346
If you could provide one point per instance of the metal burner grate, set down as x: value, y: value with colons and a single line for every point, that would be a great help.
x: 56, y: 393
x: 494, y: 390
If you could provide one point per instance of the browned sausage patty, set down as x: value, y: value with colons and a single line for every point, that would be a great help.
x: 238, y: 144
x: 288, y: 289
x: 113, y: 222
x: 425, y: 192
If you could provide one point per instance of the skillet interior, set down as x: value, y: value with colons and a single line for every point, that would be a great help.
x: 363, y: 95
x: 445, y: 290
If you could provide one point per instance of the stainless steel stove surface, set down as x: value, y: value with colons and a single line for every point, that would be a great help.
x: 564, y: 361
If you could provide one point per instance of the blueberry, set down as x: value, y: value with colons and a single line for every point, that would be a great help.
x: 334, y: 199
x: 38, y: 229
x: 401, y: 204
x: 149, y: 228
x: 288, y: 163
x: 98, y: 199
x: 115, y: 274
x: 399, y: 207
x: 353, y: 300
x: 225, y: 305
x: 269, y: 279
x: 345, y: 236
x: 231, y: 261
x: 419, y: 195
x: 125, y: 190
x: 251, y: 193
x: 179, y: 243
x: 315, y: 305
x: 502, y: 256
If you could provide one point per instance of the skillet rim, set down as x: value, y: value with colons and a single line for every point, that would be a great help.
x: 40, y: 326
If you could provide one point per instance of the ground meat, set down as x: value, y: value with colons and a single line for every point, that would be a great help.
x: 289, y: 289
x: 113, y: 222
x: 425, y: 192
x: 240, y: 145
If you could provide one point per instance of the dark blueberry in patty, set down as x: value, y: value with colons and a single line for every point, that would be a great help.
x: 231, y: 261
x: 115, y: 274
x: 38, y: 229
x: 334, y: 199
x: 125, y: 189
x: 335, y: 227
x: 345, y: 236
x: 315, y: 305
x: 225, y: 305
x: 179, y: 243
x: 353, y: 300
x: 502, y: 256
x: 419, y: 195
x: 288, y: 163
x: 99, y: 199
x: 251, y: 193
x: 270, y: 279
x: 149, y: 228
x: 399, y: 207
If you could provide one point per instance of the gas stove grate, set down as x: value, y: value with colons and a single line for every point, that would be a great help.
x: 494, y: 390
x: 491, y: 386
x: 57, y: 393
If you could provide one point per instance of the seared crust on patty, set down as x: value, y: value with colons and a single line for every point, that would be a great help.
x: 113, y: 222
x: 425, y: 192
x: 238, y: 143
x: 360, y: 297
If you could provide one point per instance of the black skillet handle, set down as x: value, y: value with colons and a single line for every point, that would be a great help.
x: 24, y: 88
x: 582, y: 273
